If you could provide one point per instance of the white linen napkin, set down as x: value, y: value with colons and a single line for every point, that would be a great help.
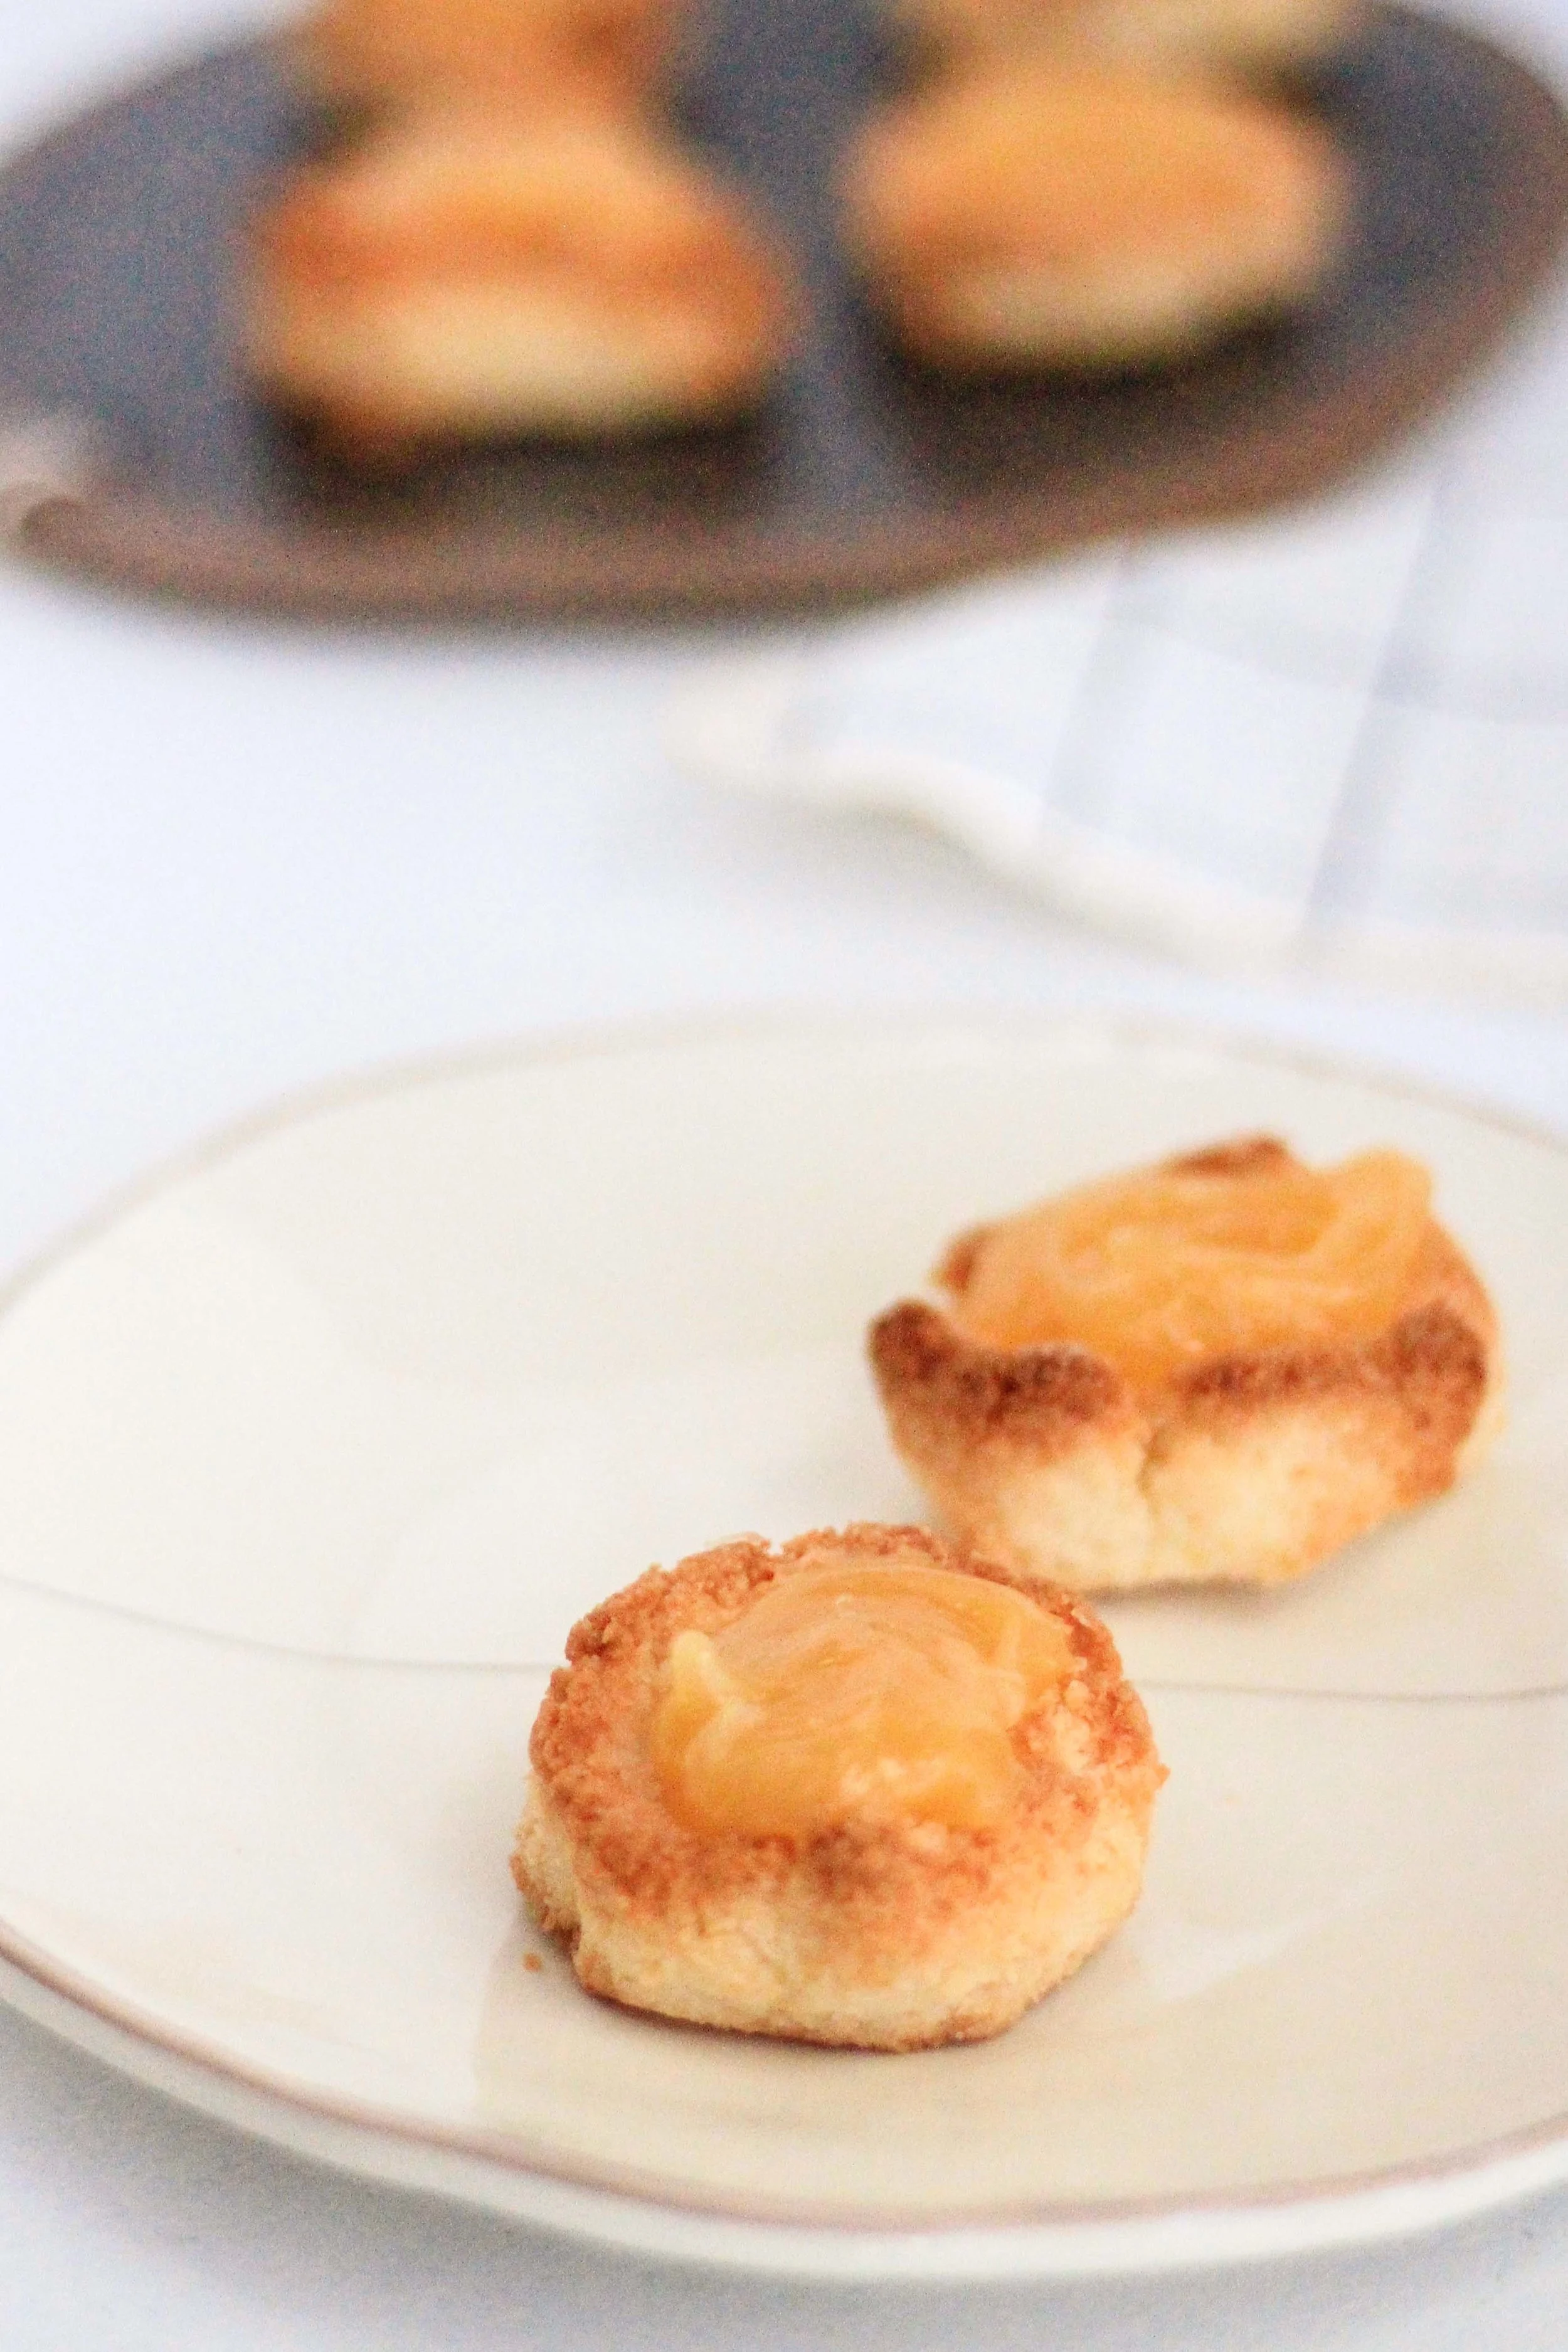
x: 1339, y: 735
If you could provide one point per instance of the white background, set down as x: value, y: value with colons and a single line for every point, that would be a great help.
x: 236, y: 858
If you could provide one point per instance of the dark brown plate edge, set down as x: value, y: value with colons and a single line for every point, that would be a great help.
x: 114, y: 536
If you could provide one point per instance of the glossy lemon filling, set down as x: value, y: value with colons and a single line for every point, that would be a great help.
x: 888, y: 1689
x: 1160, y: 1271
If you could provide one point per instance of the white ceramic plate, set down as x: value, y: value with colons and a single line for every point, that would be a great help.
x: 311, y: 1454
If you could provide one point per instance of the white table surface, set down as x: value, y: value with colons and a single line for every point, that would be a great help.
x: 237, y: 859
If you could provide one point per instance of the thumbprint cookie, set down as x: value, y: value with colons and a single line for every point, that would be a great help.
x: 469, y: 278
x: 1222, y: 1367
x: 862, y: 1789
x: 1086, y: 217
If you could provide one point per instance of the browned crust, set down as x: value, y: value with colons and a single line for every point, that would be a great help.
x: 1240, y: 1155
x: 1248, y: 1468
x: 1053, y: 1399
x: 877, y: 1933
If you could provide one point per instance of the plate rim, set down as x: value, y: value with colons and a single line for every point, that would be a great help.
x: 616, y: 2204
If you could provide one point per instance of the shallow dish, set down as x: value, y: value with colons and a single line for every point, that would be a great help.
x: 862, y: 478
x: 313, y: 1449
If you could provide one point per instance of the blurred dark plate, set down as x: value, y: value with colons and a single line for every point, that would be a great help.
x: 862, y: 478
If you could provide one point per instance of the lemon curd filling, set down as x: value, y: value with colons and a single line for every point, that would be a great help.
x: 1159, y: 1270
x: 884, y: 1689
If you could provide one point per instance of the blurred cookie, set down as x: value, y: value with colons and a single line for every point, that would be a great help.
x: 1087, y: 217
x: 529, y: 56
x: 462, y: 276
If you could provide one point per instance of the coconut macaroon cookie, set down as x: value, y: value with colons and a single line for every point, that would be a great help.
x: 1088, y: 217
x: 1223, y: 1368
x: 861, y: 1789
x: 462, y: 276
x: 528, y: 55
x: 1265, y: 37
